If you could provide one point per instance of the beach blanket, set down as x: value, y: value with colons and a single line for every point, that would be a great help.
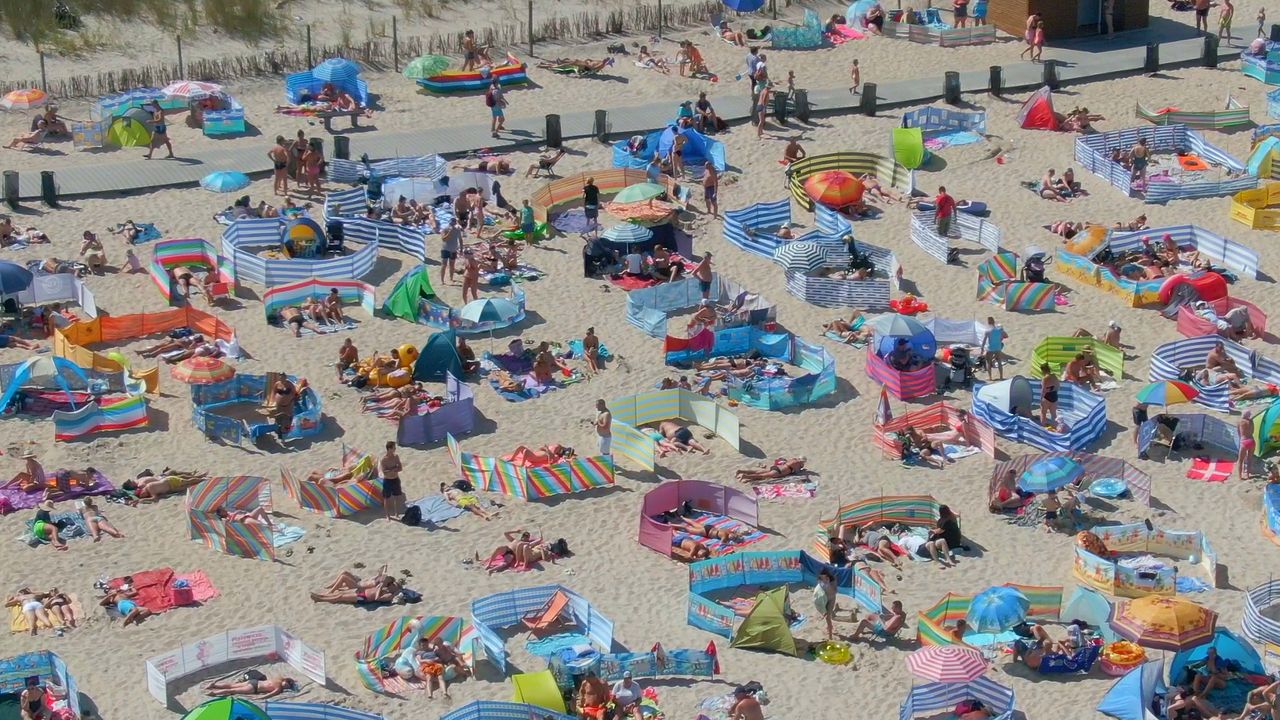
x: 19, y: 500
x: 942, y: 140
x: 832, y: 335
x: 553, y: 644
x: 844, y: 33
x: 721, y: 522
x: 155, y: 587
x: 1211, y: 470
x: 955, y: 452
x: 72, y: 523
x: 573, y: 221
x: 503, y: 278
x: 777, y: 491
x: 1189, y: 584
x: 286, y: 534
x: 532, y: 388
x: 18, y: 621
x: 630, y: 282
x: 436, y: 510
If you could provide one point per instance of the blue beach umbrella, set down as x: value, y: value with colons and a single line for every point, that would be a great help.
x: 489, y: 310
x: 627, y: 233
x: 1049, y: 474
x: 336, y: 70
x: 744, y: 5
x: 997, y: 609
x: 225, y: 181
x: 896, y: 325
x: 14, y: 278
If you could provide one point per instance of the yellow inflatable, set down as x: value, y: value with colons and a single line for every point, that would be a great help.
x: 1121, y: 656
x: 379, y: 375
x: 833, y: 653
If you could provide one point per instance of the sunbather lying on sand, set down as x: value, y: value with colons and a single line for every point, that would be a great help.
x: 648, y: 60
x: 165, y: 346
x: 523, y: 550
x: 726, y: 535
x: 577, y: 65
x: 681, y: 437
x: 32, y: 605
x: 726, y: 363
x: 930, y: 451
x: 204, y: 349
x: 294, y: 316
x: 872, y: 184
x: 846, y: 331
x: 257, y: 515
x: 780, y: 468
x: 465, y: 501
x: 333, y: 476
x: 150, y: 487
x: 349, y: 589
x: 689, y: 550
x: 954, y: 433
x: 259, y: 689
x: 122, y: 599
x: 28, y: 141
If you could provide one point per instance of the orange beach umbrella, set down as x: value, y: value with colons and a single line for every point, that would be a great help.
x: 834, y: 188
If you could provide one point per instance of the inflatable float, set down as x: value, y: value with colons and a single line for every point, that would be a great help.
x: 909, y: 305
x: 969, y: 207
x: 1209, y: 286
x: 381, y: 377
x: 539, y: 232
x: 512, y: 72
x: 1120, y: 657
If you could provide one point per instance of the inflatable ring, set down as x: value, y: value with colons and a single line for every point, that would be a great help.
x: 1120, y: 657
x: 539, y: 233
x: 833, y: 653
x: 1108, y: 487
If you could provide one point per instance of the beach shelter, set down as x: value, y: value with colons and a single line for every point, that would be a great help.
x: 439, y: 358
x: 43, y: 372
x: 1130, y: 697
x: 1092, y: 607
x: 1230, y: 647
x: 131, y: 129
x: 766, y: 627
x: 1011, y: 396
x: 538, y: 689
x: 1266, y: 429
x: 1037, y: 112
x: 227, y: 708
x: 698, y: 148
x: 412, y: 287
x: 300, y: 236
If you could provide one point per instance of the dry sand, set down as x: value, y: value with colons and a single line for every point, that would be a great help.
x: 641, y: 591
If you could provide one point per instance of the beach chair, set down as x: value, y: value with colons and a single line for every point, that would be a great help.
x: 1080, y: 661
x: 550, y: 617
x: 548, y: 165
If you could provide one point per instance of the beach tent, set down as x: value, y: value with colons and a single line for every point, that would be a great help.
x: 301, y: 235
x: 1130, y: 697
x: 698, y: 148
x: 42, y: 372
x: 538, y: 689
x: 1091, y: 606
x: 1008, y: 395
x: 131, y: 129
x: 343, y: 73
x: 1230, y: 647
x: 765, y: 627
x: 1037, y: 113
x: 412, y: 287
x: 439, y: 358
x: 1266, y: 429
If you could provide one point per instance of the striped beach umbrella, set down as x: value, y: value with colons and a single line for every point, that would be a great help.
x: 1049, y: 474
x: 997, y: 609
x: 227, y: 708
x: 895, y: 325
x: 202, y: 371
x: 24, y: 99
x: 802, y: 256
x: 339, y: 71
x: 947, y: 664
x: 834, y: 188
x: 1163, y: 622
x: 489, y: 310
x: 191, y: 89
x: 627, y: 233
x: 1167, y: 392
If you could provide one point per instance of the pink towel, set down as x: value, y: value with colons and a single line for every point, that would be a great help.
x: 202, y: 589
x: 773, y: 491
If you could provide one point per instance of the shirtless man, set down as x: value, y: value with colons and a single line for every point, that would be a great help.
x: 283, y: 397
x: 183, y: 277
x: 703, y: 273
x: 259, y: 689
x: 150, y: 487
x: 333, y: 307
x: 681, y: 436
x: 402, y: 214
x: 1110, y: 337
x: 1220, y: 366
x: 1077, y: 371
x: 793, y: 152
x: 745, y: 706
x: 293, y: 316
x: 872, y: 184
x: 886, y: 625
x: 165, y: 346
x: 348, y: 356
x: 704, y: 317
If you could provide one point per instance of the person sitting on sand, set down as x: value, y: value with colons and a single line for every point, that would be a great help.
x: 734, y: 36
x: 1110, y: 337
x: 465, y: 501
x: 124, y: 602
x: 779, y: 468
x: 148, y: 487
x: 349, y: 589
x: 402, y: 214
x: 1183, y: 704
x: 681, y: 436
x: 543, y: 363
x: 1076, y: 371
x: 648, y: 60
x: 1051, y: 188
x: 884, y: 625
x: 1220, y: 366
x: 931, y: 452
x: 258, y: 689
x: 28, y: 141
x: 1006, y: 495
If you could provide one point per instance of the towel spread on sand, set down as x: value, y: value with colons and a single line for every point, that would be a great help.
x: 18, y: 621
x: 1211, y: 470
x: 20, y: 500
x: 721, y: 522
x: 155, y: 587
x: 955, y: 452
x: 286, y: 534
x: 436, y: 510
x: 775, y: 491
x: 552, y: 645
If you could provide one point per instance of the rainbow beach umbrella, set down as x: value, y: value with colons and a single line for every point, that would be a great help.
x: 947, y: 664
x: 639, y: 192
x: 202, y: 371
x: 227, y: 708
x: 1163, y: 622
x: 1167, y: 392
x: 24, y: 99
x: 834, y: 188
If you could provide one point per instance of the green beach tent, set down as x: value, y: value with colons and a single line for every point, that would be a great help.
x: 127, y: 132
x: 766, y: 627
x: 409, y: 289
x: 227, y: 708
x: 438, y: 356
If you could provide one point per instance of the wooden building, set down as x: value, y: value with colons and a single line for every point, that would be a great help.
x: 1067, y: 18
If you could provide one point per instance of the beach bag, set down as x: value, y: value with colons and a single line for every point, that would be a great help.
x: 412, y: 516
x: 252, y: 675
x: 489, y: 100
x: 560, y: 547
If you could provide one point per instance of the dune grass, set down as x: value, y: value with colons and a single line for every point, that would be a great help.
x: 252, y: 21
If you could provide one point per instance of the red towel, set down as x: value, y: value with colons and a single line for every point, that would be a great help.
x: 1211, y: 470
x: 153, y: 588
x: 202, y: 589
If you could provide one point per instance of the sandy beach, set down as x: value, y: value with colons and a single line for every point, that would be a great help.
x: 644, y: 593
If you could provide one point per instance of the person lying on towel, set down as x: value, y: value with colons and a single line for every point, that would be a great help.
x: 349, y: 589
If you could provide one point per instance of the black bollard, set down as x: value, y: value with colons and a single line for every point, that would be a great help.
x: 342, y: 147
x: 801, y: 100
x: 1275, y: 33
x: 1051, y: 75
x: 995, y: 83
x: 48, y: 188
x: 552, y: 137
x: 868, y: 107
x: 1210, y: 59
x: 780, y: 107
x: 951, y: 87
x: 600, y: 128
x: 11, y: 189
x: 1152, y: 63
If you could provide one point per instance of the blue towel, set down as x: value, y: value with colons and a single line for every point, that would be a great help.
x: 575, y: 347
x: 147, y: 232
x: 436, y: 510
x: 286, y: 534
x: 553, y: 644
x: 1189, y: 584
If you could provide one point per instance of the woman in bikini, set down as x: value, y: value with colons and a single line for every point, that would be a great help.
x: 955, y: 432
x: 879, y: 543
x: 96, y: 521
x: 724, y: 535
x: 262, y: 689
x: 159, y: 132
x: 689, y: 549
x: 465, y: 501
x: 258, y: 515
x: 779, y: 469
x: 148, y: 487
x: 930, y: 451
x: 32, y: 606
x: 59, y: 606
x: 1049, y: 386
x: 32, y: 699
x: 349, y: 589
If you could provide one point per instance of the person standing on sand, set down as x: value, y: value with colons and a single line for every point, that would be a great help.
x: 1202, y: 15
x: 591, y: 349
x: 711, y: 188
x: 703, y: 273
x: 497, y: 101
x: 1109, y: 17
x: 452, y: 237
x: 944, y: 211
x: 389, y: 467
x: 855, y: 77
x: 469, y: 55
x: 297, y: 149
x: 1029, y: 35
x: 591, y: 205
x: 279, y: 156
x: 1247, y: 444
x: 604, y: 427
x: 1262, y: 20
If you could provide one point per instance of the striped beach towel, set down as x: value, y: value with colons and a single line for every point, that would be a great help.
x: 721, y: 522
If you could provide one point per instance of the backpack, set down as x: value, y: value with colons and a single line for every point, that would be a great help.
x: 412, y: 516
x: 489, y: 100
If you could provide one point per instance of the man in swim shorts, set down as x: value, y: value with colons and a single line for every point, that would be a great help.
x: 389, y: 467
x: 703, y: 273
x: 682, y: 437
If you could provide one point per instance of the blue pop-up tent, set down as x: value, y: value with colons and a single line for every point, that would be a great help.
x: 1230, y: 647
x: 698, y: 149
x: 1130, y: 697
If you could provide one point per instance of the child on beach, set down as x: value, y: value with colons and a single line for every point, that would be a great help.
x: 1037, y: 42
x: 1262, y: 20
x: 855, y: 77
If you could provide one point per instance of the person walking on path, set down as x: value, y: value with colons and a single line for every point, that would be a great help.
x: 711, y: 188
x: 855, y: 77
x: 159, y: 131
x: 604, y: 428
x: 389, y: 467
x: 497, y: 101
x: 1202, y: 15
x: 1226, y: 14
x: 279, y: 156
x: 1029, y: 34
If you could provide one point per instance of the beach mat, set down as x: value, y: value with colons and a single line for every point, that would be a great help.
x: 778, y: 491
x: 436, y: 510
x: 18, y: 621
x: 155, y: 587
x: 20, y: 500
x: 955, y: 452
x: 836, y: 336
x: 718, y: 522
x: 633, y: 282
x: 286, y: 534
x: 572, y: 221
x: 1211, y: 470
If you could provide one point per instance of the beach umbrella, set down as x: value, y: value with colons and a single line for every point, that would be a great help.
x: 744, y: 6
x: 225, y: 181
x: 191, y: 89
x: 639, y: 192
x: 834, y: 188
x: 489, y: 310
x: 14, y: 278
x: 1167, y: 392
x: 997, y: 609
x: 227, y: 708
x: 1163, y: 622
x: 202, y: 371
x: 1049, y: 474
x: 895, y: 325
x: 802, y: 256
x: 947, y: 664
x: 338, y: 71
x: 24, y: 99
x: 627, y: 233
x: 426, y: 66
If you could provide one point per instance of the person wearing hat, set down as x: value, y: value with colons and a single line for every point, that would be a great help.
x: 627, y: 696
x: 745, y: 705
x: 34, y: 470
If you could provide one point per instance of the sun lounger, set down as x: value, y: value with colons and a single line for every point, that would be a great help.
x: 552, y: 617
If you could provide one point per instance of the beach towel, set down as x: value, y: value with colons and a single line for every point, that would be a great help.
x: 573, y: 221
x: 436, y: 510
x: 553, y: 644
x: 832, y: 335
x: 721, y: 522
x: 942, y: 140
x: 844, y: 33
x: 955, y: 452
x: 286, y: 534
x: 73, y: 528
x: 633, y: 282
x: 1211, y: 470
x: 155, y: 587
x: 776, y: 491
x: 1189, y: 584
x: 576, y: 351
x: 18, y: 622
x: 19, y: 500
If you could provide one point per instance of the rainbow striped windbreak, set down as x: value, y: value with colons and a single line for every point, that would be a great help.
x: 94, y: 418
x: 531, y: 483
x: 362, y: 492
x: 350, y: 291
x: 931, y: 623
x: 241, y: 538
x: 388, y: 641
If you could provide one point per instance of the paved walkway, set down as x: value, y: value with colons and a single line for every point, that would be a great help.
x: 1081, y: 63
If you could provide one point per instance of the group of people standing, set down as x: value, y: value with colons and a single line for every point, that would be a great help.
x: 301, y: 160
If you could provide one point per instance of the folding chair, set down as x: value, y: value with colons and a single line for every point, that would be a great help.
x: 549, y: 617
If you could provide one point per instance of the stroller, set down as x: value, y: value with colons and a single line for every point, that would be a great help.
x: 960, y: 373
